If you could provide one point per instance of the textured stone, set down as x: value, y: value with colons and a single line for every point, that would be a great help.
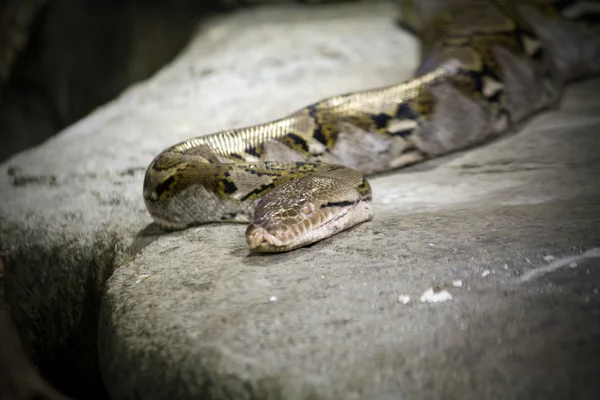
x: 193, y: 317
x: 191, y: 314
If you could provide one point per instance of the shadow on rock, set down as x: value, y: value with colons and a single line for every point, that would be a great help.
x: 19, y: 379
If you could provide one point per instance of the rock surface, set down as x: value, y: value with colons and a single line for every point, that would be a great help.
x: 193, y: 315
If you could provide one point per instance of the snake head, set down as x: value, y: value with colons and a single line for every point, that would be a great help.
x: 306, y: 210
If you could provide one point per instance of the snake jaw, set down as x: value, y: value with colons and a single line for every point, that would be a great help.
x: 259, y: 238
x: 277, y: 239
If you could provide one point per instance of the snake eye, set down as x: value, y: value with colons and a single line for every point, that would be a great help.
x: 306, y: 209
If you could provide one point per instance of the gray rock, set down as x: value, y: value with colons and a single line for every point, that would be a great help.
x: 192, y: 315
x: 195, y: 317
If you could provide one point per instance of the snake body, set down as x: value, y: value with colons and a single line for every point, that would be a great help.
x: 486, y: 66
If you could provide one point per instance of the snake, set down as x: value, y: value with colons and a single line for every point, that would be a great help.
x: 485, y: 68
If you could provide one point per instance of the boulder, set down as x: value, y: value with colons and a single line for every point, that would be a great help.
x: 449, y: 291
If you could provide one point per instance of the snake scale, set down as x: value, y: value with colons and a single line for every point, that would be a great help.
x: 486, y: 66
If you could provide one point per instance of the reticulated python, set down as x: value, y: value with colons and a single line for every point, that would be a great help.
x: 486, y: 66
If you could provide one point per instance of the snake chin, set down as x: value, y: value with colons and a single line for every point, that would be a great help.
x: 273, y: 238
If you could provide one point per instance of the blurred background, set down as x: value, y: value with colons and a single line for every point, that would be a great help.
x: 60, y: 59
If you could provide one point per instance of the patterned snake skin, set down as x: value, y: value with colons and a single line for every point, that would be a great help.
x: 486, y: 66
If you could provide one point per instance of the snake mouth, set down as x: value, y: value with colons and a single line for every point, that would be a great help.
x: 259, y: 239
x: 263, y: 240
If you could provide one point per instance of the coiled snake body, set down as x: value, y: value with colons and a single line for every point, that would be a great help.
x: 486, y: 66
